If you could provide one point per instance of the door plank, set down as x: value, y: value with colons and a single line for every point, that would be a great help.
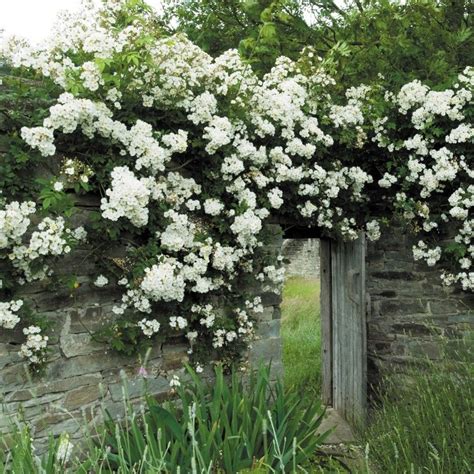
x: 326, y: 322
x: 348, y: 306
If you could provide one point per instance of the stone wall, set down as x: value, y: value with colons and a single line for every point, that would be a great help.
x: 302, y: 257
x: 82, y: 374
x: 410, y: 314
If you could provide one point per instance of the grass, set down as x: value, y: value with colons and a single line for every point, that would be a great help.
x: 424, y: 426
x: 428, y: 425
x: 301, y: 334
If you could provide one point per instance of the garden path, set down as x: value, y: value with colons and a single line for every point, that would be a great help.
x: 342, y: 433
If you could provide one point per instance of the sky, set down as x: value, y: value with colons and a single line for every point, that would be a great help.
x: 33, y: 19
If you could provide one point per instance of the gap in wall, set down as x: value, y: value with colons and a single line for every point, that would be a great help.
x: 301, y: 326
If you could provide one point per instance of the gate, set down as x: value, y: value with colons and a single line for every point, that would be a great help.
x: 343, y: 319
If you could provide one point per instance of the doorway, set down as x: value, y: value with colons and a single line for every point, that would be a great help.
x: 324, y: 323
x: 301, y: 323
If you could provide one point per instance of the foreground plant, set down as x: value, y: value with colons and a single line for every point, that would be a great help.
x: 18, y: 454
x: 228, y: 426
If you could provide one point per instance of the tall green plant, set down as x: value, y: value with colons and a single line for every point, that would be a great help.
x: 19, y: 456
x: 228, y: 426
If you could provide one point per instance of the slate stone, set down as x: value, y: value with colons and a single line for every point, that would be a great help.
x: 137, y: 387
x: 81, y: 396
x: 73, y: 345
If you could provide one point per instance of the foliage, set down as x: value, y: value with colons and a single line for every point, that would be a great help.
x: 301, y: 336
x: 17, y: 454
x: 425, y: 424
x: 262, y: 30
x: 229, y: 425
x: 427, y: 40
x: 225, y: 426
x: 20, y: 105
x: 183, y: 159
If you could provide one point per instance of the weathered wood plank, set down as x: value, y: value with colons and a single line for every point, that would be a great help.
x: 326, y: 322
x: 336, y: 305
x: 348, y: 302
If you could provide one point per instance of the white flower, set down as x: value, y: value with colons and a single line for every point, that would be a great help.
x: 373, y: 230
x: 64, y: 450
x: 14, y: 222
x: 345, y: 116
x: 149, y: 327
x: 213, y: 207
x: 58, y: 186
x: 422, y: 252
x: 91, y: 76
x: 178, y: 322
x: 8, y: 317
x: 275, y: 196
x: 128, y: 197
x: 218, y: 133
x: 461, y: 134
x: 246, y: 226
x: 163, y: 281
x: 34, y: 349
x: 50, y: 239
x: 387, y: 181
x: 101, y: 281
x: 175, y: 382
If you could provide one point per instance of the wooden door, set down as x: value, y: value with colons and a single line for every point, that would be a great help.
x: 343, y: 315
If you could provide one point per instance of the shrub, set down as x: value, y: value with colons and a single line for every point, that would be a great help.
x: 186, y: 158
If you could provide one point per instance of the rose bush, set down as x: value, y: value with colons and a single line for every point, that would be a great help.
x: 192, y: 156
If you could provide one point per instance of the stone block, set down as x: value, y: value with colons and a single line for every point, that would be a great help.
x: 9, y: 355
x: 87, y: 364
x: 14, y: 336
x: 396, y: 275
x: 69, y: 425
x: 266, y: 351
x: 465, y: 317
x: 174, y: 356
x: 133, y: 388
x: 73, y: 345
x: 266, y: 315
x: 271, y: 299
x: 448, y: 306
x: 13, y: 375
x: 81, y: 396
x: 61, y: 385
x: 415, y: 329
x: 430, y: 349
x: 402, y: 307
x: 269, y: 329
x: 48, y: 419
